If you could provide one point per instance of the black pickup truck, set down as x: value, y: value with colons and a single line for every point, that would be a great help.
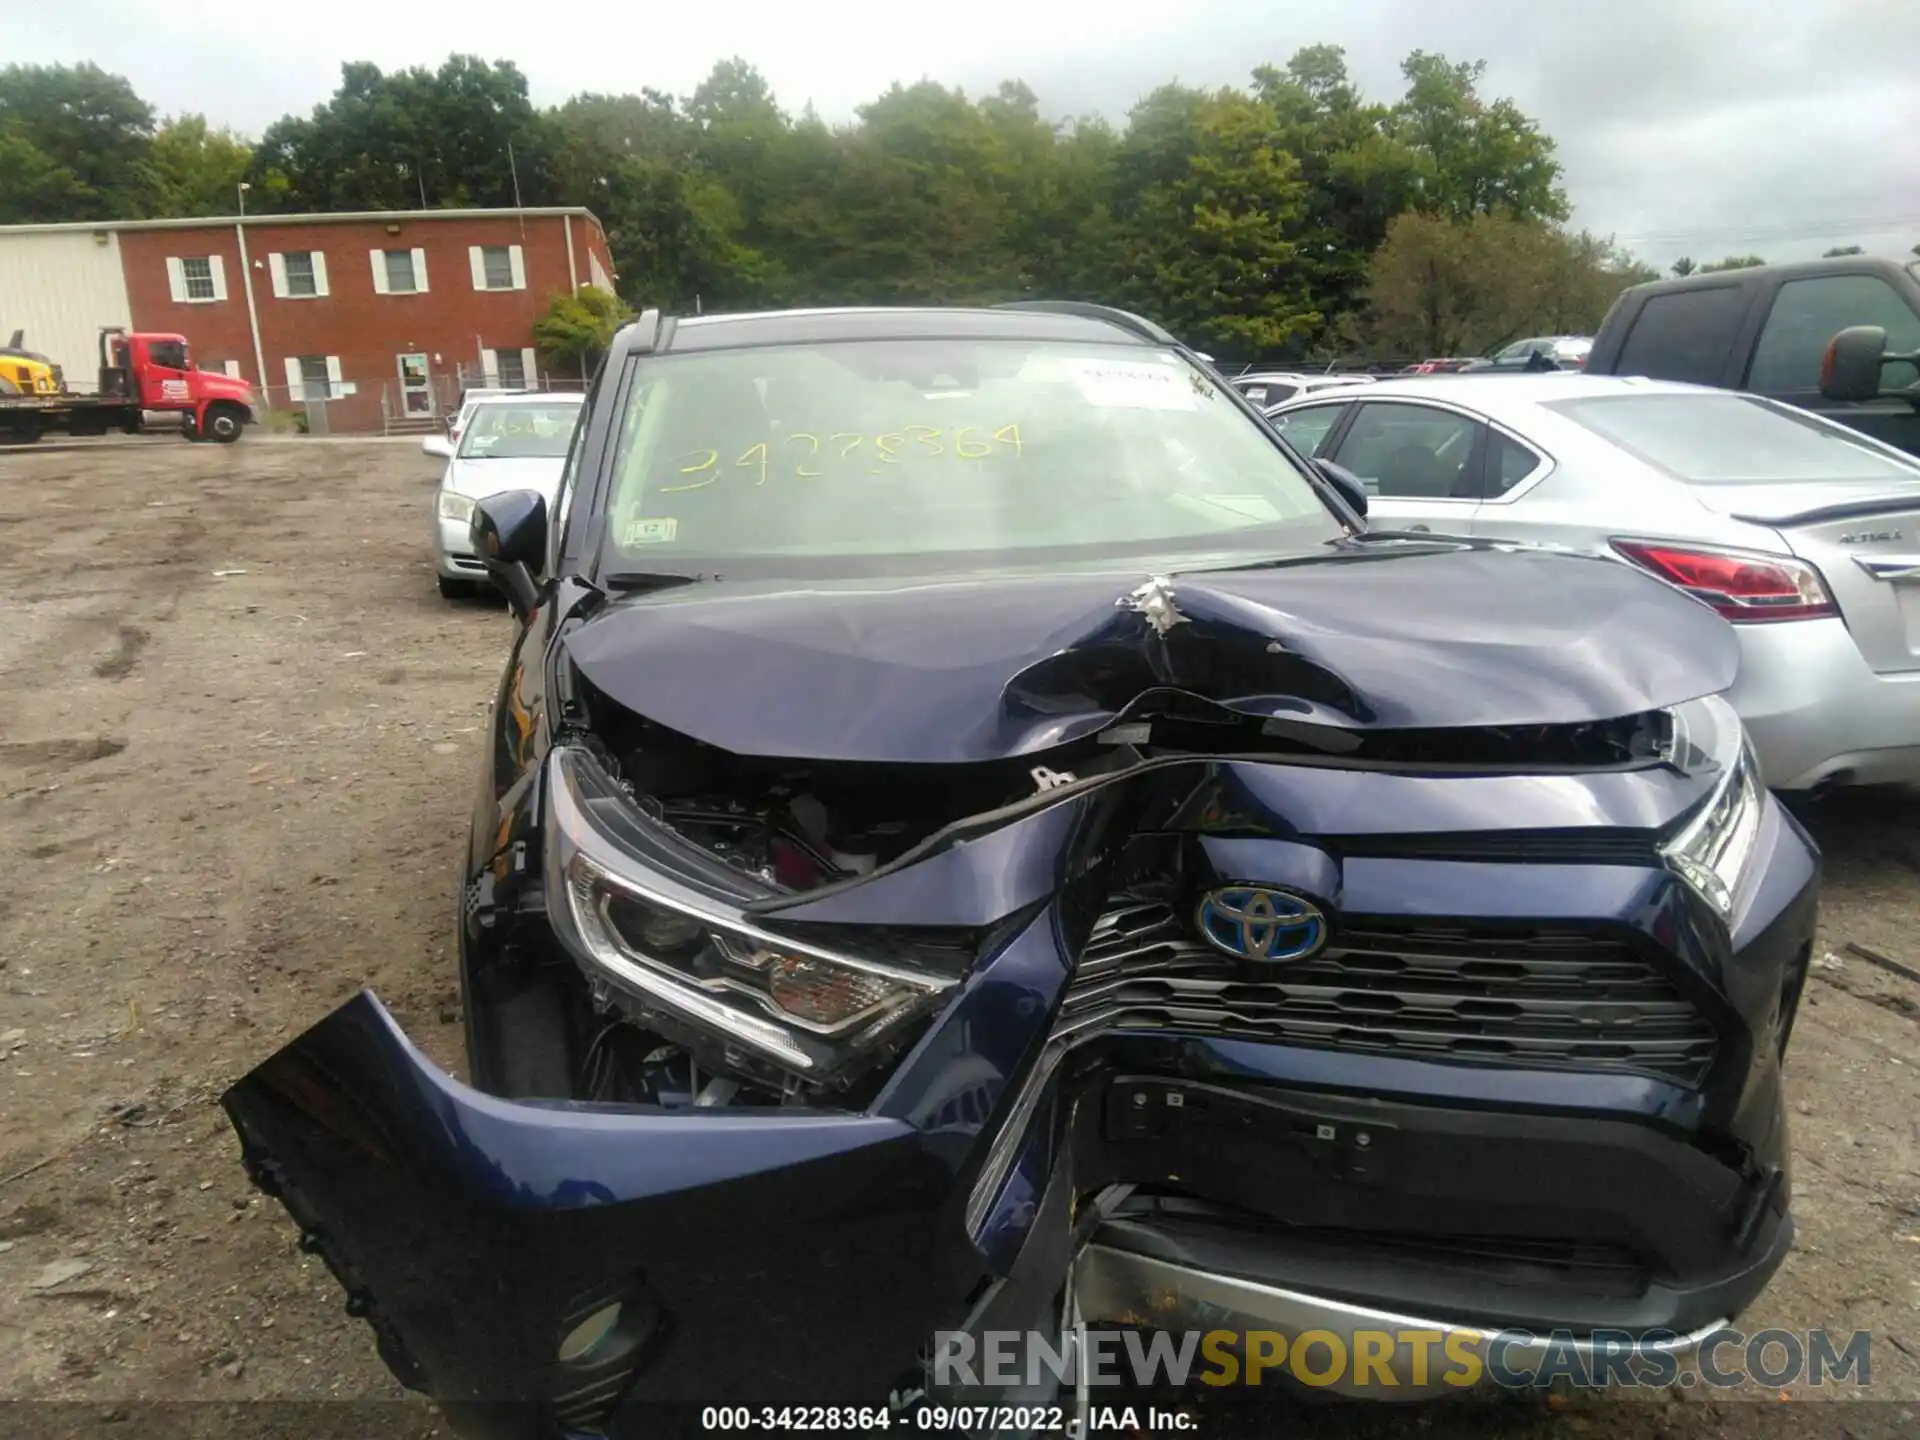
x: 1766, y: 329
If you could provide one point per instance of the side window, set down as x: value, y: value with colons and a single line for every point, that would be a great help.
x: 1684, y: 335
x: 1411, y: 451
x: 1306, y: 428
x: 1508, y: 463
x: 168, y: 354
x: 1805, y: 316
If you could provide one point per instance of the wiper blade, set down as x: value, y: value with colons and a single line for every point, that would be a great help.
x: 640, y: 581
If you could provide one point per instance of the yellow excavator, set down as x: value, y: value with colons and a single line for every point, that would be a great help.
x: 27, y: 372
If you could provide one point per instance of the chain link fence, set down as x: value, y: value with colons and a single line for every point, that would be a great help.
x: 386, y: 406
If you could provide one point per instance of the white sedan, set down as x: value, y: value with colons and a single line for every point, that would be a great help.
x: 508, y: 442
x: 1804, y: 534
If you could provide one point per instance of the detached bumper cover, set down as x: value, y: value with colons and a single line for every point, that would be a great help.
x: 476, y: 1235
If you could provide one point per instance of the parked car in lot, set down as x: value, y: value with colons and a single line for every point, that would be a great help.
x: 969, y: 816
x: 514, y: 442
x: 1270, y: 387
x: 1766, y: 329
x: 1443, y: 365
x: 1804, y: 534
x: 1561, y: 352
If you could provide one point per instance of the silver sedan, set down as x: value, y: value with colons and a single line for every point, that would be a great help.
x: 1804, y: 534
x: 508, y: 442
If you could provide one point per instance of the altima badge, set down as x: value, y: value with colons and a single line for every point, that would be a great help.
x: 1254, y: 922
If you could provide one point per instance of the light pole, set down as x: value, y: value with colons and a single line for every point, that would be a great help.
x: 246, y: 280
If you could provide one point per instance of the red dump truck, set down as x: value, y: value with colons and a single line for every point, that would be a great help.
x: 139, y: 373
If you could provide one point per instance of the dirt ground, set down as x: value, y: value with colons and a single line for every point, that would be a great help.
x: 238, y: 734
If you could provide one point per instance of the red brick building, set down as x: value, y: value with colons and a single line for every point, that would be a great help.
x: 360, y: 320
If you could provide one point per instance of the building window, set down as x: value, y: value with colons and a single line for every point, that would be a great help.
x: 300, y: 273
x: 400, y: 276
x: 198, y: 271
x: 497, y: 261
x: 510, y: 370
x: 315, y: 382
x: 196, y: 279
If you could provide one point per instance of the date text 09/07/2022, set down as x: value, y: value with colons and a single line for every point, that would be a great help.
x: 945, y: 1419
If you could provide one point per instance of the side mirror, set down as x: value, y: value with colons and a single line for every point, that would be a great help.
x: 1850, y: 370
x: 438, y: 446
x: 1347, y: 483
x: 509, y: 534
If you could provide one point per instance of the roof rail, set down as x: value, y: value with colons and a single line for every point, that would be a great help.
x: 1087, y: 310
x: 646, y: 331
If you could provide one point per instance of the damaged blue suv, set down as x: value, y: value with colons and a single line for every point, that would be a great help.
x: 976, y: 834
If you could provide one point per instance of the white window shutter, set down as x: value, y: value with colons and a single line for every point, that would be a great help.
x: 490, y: 363
x: 232, y: 367
x: 217, y: 267
x: 378, y: 260
x: 277, y: 263
x: 526, y: 366
x: 319, y: 273
x: 333, y: 372
x: 176, y: 279
x: 420, y: 271
x: 477, y: 266
x: 518, y: 259
x: 295, y: 391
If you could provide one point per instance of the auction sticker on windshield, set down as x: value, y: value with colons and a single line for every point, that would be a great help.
x: 649, y: 532
x: 1110, y: 384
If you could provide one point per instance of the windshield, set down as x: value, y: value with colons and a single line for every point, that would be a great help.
x: 1732, y: 439
x: 518, y: 432
x: 902, y: 457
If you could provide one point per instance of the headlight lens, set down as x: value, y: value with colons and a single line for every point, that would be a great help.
x: 692, y: 957
x: 457, y: 508
x: 1712, y: 850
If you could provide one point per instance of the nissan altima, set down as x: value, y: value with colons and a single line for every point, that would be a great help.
x: 975, y: 830
x: 1803, y: 533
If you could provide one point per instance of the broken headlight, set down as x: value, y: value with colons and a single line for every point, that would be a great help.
x: 1711, y: 851
x: 648, y: 920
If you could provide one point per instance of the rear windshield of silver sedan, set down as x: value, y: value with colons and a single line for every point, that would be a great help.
x: 1730, y: 439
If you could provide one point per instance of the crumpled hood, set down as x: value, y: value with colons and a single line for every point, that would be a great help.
x: 1363, y: 635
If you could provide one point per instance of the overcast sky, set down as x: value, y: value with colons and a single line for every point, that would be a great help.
x: 1686, y: 127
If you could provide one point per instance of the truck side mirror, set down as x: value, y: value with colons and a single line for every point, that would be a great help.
x: 509, y: 534
x: 1850, y: 369
x: 437, y: 445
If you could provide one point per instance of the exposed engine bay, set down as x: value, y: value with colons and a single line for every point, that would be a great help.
x: 795, y: 827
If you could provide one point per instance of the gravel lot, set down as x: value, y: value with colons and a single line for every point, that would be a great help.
x: 237, y: 750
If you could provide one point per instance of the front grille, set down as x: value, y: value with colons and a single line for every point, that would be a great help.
x: 1536, y: 998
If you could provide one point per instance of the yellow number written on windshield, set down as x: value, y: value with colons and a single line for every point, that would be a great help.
x: 807, y: 456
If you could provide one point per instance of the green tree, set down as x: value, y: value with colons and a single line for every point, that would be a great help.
x: 1476, y: 157
x: 196, y: 169
x: 1467, y: 286
x: 1732, y: 262
x: 1842, y: 250
x: 576, y: 329
x: 1359, y: 172
x: 1211, y: 248
x: 1684, y: 266
x: 74, y: 145
x: 413, y: 139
